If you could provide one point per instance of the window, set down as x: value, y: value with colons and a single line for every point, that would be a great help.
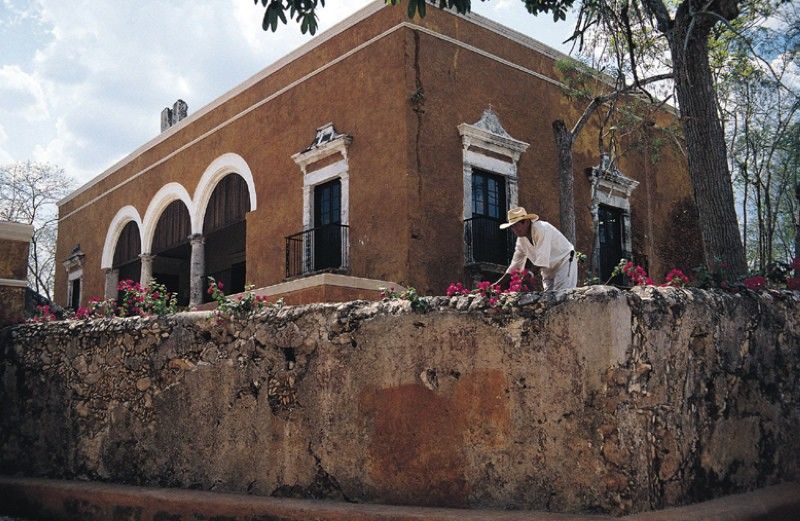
x: 611, y: 207
x: 488, y: 195
x: 490, y: 158
x: 327, y: 225
x: 74, y: 267
x: 610, y: 235
x: 324, y: 241
x: 486, y: 242
x: 75, y: 296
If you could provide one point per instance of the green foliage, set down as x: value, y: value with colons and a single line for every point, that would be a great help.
x: 577, y: 77
x: 304, y: 12
x: 301, y: 11
x: 410, y: 294
x: 245, y: 306
x: 137, y: 300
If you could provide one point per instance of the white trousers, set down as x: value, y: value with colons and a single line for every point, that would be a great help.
x: 563, y: 276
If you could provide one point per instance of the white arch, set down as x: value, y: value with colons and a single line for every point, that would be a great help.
x: 125, y: 215
x: 225, y: 164
x: 167, y: 194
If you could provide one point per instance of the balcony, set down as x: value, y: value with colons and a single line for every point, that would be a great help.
x: 486, y: 243
x: 319, y: 249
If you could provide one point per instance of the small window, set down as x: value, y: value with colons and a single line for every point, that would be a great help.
x: 611, y: 238
x: 488, y: 195
x: 75, y: 293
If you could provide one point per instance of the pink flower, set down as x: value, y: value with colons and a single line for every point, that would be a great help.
x: 676, y: 278
x: 455, y: 288
x: 755, y: 282
x: 493, y: 301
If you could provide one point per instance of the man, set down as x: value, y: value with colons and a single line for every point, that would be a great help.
x: 546, y: 247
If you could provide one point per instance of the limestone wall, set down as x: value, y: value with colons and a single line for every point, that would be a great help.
x: 600, y: 401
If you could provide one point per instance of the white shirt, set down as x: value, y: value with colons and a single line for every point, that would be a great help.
x: 546, y: 248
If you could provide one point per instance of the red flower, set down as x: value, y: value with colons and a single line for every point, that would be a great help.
x: 455, y: 288
x: 677, y: 278
x: 755, y: 282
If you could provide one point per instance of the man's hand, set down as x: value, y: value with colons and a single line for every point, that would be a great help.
x: 503, y: 281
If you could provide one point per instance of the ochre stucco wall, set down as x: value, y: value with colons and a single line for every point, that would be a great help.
x: 13, y: 259
x: 13, y: 266
x: 594, y: 400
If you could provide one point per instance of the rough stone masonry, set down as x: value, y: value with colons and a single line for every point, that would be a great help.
x: 597, y: 400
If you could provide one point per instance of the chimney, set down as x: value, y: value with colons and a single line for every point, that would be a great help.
x: 170, y: 116
x: 166, y: 118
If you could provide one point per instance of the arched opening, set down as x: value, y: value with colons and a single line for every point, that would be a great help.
x: 225, y: 231
x: 172, y: 251
x: 126, y: 253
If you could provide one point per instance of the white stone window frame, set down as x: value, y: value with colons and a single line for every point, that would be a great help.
x: 489, y: 135
x: 327, y: 143
x: 71, y: 278
x: 611, y: 188
x: 74, y: 268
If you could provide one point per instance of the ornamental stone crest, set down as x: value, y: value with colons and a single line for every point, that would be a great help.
x: 326, y: 134
x: 487, y: 133
x: 327, y: 141
x: 491, y: 123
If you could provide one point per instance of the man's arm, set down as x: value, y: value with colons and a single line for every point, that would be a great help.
x: 517, y: 263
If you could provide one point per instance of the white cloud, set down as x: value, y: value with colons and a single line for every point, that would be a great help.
x: 63, y: 150
x: 5, y: 156
x: 23, y: 93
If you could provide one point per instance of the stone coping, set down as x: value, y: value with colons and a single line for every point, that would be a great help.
x: 59, y: 499
x: 14, y: 283
x: 15, y: 231
x: 327, y: 279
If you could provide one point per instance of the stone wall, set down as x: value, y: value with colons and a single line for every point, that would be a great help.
x: 594, y: 401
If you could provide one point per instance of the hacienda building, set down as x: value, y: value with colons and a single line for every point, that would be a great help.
x: 384, y: 152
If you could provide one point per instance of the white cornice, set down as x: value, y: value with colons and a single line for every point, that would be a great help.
x: 327, y: 142
x: 327, y: 279
x: 15, y: 231
x: 489, y: 134
x: 13, y: 283
x: 614, y: 181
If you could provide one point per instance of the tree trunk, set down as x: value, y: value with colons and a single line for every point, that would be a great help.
x: 566, y: 179
x: 705, y: 143
x: 797, y: 229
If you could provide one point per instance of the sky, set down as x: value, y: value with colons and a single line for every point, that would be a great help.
x: 83, y: 82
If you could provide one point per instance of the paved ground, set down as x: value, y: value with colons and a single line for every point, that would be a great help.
x: 776, y: 503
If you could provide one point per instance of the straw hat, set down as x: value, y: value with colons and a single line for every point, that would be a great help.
x: 516, y: 215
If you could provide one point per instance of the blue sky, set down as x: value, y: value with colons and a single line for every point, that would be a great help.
x: 83, y: 82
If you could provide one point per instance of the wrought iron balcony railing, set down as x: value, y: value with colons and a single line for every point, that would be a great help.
x: 484, y: 241
x: 317, y: 249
